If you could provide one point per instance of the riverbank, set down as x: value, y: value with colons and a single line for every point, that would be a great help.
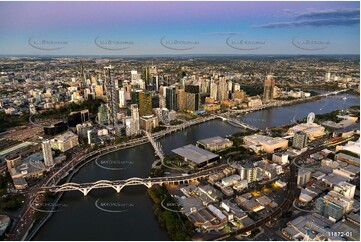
x: 84, y: 161
x: 83, y: 206
x: 178, y: 227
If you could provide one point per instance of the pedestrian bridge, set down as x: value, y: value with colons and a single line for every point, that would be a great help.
x: 156, y: 145
x: 235, y: 121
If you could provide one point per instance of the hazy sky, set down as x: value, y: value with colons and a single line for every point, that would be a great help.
x: 144, y: 28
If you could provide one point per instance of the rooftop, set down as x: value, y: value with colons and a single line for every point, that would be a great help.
x: 195, y: 154
x: 64, y: 137
x: 213, y: 141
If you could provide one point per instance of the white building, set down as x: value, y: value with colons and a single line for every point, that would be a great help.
x: 281, y: 159
x: 121, y: 99
x: 346, y: 189
x: 48, y: 155
x: 214, y: 90
x: 64, y: 142
x: 303, y: 176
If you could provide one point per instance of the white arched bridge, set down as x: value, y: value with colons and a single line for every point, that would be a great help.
x: 118, y: 185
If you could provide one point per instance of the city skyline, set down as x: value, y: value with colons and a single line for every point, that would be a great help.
x: 180, y: 121
x: 153, y: 28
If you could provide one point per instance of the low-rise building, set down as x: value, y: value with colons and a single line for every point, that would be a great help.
x: 269, y: 144
x: 312, y: 130
x: 279, y: 158
x: 195, y: 155
x: 215, y: 143
x: 64, y: 142
x: 148, y: 123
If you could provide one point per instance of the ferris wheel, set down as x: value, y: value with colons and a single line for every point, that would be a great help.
x: 310, y: 118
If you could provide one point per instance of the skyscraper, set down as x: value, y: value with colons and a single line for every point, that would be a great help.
x: 236, y: 87
x: 299, y: 140
x: 269, y: 84
x: 82, y: 75
x: 102, y: 114
x: 112, y: 107
x: 132, y: 124
x: 181, y: 99
x: 205, y: 85
x: 152, y: 70
x: 134, y: 113
x: 230, y: 86
x: 171, y: 98
x: 48, y: 155
x: 121, y: 98
x: 145, y: 103
x: 192, y: 97
x: 222, y: 90
x: 134, y: 77
x: 213, y: 91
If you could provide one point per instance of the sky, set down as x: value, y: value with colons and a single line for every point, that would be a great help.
x: 179, y: 28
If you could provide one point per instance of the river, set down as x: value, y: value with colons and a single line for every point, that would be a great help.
x: 107, y: 215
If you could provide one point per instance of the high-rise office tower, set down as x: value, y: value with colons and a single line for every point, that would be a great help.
x: 48, y: 155
x: 162, y: 101
x: 181, y: 99
x: 214, y: 90
x: 152, y: 70
x: 299, y: 140
x: 171, y: 98
x: 112, y: 106
x: 192, y: 97
x: 134, y: 96
x: 134, y: 77
x: 146, y: 76
x: 121, y: 98
x: 236, y: 87
x: 102, y: 114
x: 145, y: 103
x: 155, y: 83
x: 205, y: 85
x: 134, y: 114
x: 222, y: 90
x: 82, y: 75
x: 269, y: 84
x: 230, y: 86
